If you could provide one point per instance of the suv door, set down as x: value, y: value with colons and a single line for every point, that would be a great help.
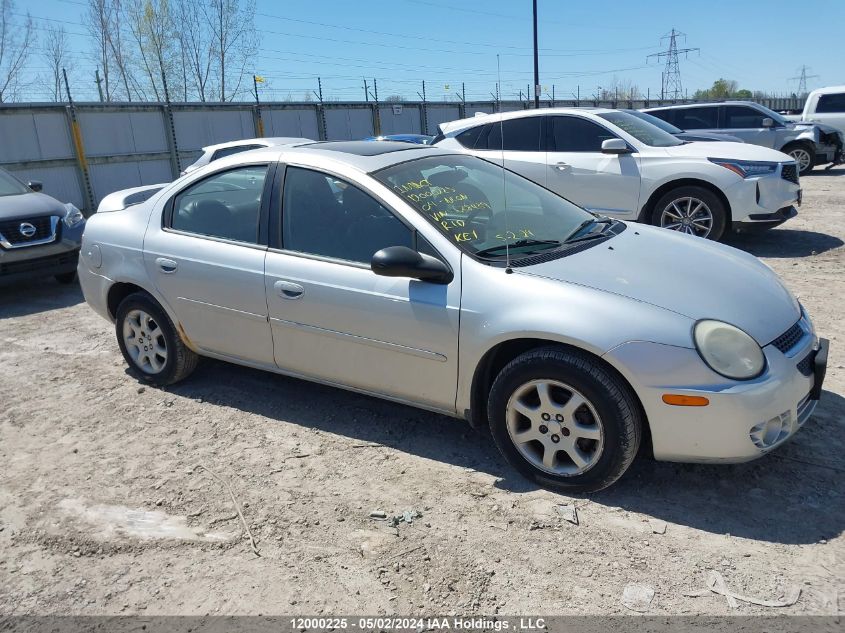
x: 335, y: 320
x: 746, y: 122
x: 205, y: 254
x: 578, y: 171
x: 518, y: 141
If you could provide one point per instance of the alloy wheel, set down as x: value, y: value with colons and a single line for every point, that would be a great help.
x: 688, y: 215
x: 555, y: 427
x: 802, y: 157
x: 144, y: 341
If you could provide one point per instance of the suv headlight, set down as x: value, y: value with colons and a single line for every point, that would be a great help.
x: 728, y: 351
x: 745, y: 168
x: 73, y: 216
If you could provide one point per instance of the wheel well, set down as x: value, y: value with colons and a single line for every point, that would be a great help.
x: 808, y: 144
x: 495, y: 360
x: 117, y: 293
x: 648, y: 207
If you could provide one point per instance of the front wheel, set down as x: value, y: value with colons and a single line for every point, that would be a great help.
x: 803, y: 155
x: 692, y: 210
x: 564, y: 420
x: 149, y: 342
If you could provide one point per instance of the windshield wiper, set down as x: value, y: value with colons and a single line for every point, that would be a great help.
x: 493, y: 250
x: 584, y: 225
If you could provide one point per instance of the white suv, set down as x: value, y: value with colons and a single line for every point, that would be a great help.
x: 616, y: 164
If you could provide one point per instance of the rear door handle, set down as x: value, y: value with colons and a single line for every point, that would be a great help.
x: 167, y: 266
x: 288, y: 289
x: 562, y: 166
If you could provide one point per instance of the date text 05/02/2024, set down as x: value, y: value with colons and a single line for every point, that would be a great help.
x: 401, y: 624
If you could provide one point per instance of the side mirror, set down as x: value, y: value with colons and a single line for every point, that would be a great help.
x: 35, y: 185
x: 401, y: 261
x: 768, y: 122
x: 615, y: 146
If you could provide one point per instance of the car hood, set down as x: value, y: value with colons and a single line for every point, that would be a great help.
x: 708, y: 136
x: 737, y: 151
x: 688, y: 275
x: 27, y: 204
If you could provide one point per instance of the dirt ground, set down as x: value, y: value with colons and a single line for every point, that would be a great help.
x: 108, y: 506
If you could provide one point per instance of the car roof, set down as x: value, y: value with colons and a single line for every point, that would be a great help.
x: 267, y: 141
x: 481, y: 119
x: 828, y: 90
x: 709, y: 104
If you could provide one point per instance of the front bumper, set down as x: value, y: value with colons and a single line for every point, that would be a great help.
x: 59, y: 256
x: 762, y: 201
x: 758, y: 222
x: 743, y: 420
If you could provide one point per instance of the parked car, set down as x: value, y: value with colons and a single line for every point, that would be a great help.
x: 221, y: 150
x: 683, y: 134
x: 39, y: 236
x: 614, y: 163
x: 420, y: 139
x: 809, y: 144
x: 824, y: 106
x: 579, y: 336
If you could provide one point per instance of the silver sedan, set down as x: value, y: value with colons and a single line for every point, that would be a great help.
x: 442, y: 281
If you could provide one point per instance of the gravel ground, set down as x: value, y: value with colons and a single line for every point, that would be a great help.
x: 108, y: 504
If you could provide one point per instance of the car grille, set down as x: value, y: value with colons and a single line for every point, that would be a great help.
x: 45, y: 231
x: 38, y: 263
x: 789, y: 171
x: 790, y: 338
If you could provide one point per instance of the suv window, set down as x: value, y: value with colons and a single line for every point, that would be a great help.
x: 520, y: 135
x: 229, y: 151
x: 467, y: 138
x: 739, y: 117
x: 324, y: 215
x: 696, y: 118
x: 831, y: 103
x: 574, y: 134
x: 226, y: 205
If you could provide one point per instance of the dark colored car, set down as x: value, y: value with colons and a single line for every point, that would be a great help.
x: 419, y: 139
x: 682, y: 134
x: 39, y: 236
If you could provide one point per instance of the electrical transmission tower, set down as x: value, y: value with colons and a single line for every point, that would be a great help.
x: 671, y: 85
x: 802, y: 80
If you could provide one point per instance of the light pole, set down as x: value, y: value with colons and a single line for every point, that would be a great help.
x: 536, y: 63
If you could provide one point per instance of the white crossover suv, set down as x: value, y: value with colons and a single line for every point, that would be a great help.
x: 614, y: 163
x: 440, y: 280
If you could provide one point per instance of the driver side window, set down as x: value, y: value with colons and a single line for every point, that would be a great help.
x: 324, y: 215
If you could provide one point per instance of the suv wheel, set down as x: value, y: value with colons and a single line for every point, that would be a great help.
x: 149, y: 342
x: 692, y: 210
x: 804, y: 155
x: 563, y: 420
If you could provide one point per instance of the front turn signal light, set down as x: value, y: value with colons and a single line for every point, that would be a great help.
x: 679, y: 400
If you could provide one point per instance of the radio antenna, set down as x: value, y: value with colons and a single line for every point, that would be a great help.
x: 504, y: 179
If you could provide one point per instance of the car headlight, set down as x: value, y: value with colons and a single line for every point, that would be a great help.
x: 73, y: 216
x: 745, y: 168
x: 728, y: 351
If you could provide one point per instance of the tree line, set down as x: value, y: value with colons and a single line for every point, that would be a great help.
x: 196, y: 50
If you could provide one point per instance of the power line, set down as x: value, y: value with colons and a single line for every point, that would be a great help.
x: 671, y: 85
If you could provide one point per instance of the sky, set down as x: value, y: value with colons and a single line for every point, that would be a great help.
x: 447, y: 43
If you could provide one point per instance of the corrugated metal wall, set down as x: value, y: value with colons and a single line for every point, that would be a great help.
x: 127, y: 145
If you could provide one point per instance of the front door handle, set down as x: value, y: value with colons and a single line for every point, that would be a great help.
x: 288, y: 289
x: 562, y: 166
x: 167, y: 266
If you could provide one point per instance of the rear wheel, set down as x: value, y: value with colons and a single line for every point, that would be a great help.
x: 563, y: 420
x: 803, y: 154
x: 691, y: 210
x: 149, y: 342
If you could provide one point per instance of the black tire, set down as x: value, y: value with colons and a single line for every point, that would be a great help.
x: 719, y: 228
x: 611, y: 397
x: 806, y: 147
x: 66, y: 278
x: 180, y: 361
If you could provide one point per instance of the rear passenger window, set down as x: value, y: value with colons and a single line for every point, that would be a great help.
x: 574, y: 134
x: 467, y: 138
x: 515, y: 135
x: 226, y: 205
x: 696, y: 118
x: 739, y: 117
x: 831, y: 103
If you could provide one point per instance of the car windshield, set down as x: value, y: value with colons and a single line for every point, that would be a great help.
x: 648, y: 118
x: 11, y: 186
x: 777, y: 118
x: 482, y: 208
x: 641, y: 130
